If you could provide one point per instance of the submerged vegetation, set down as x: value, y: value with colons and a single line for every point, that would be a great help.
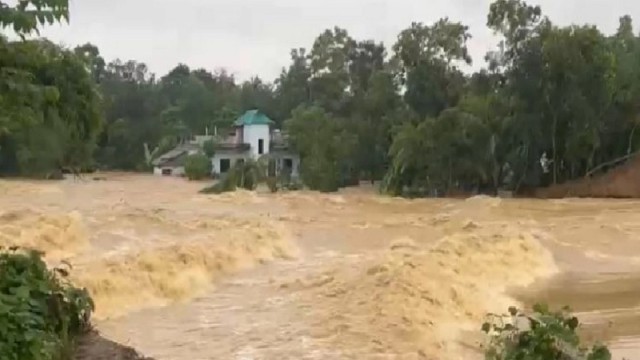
x: 248, y: 174
x: 197, y: 167
x: 243, y: 175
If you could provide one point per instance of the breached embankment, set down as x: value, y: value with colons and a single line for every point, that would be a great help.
x: 416, y: 299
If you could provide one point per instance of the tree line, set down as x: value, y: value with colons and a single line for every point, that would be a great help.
x: 553, y: 103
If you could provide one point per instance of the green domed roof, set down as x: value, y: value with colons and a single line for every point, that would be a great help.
x: 253, y: 117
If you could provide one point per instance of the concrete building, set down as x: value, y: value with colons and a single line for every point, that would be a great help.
x: 252, y: 137
x: 172, y: 163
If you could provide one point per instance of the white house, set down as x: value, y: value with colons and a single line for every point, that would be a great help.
x: 172, y: 163
x: 253, y: 137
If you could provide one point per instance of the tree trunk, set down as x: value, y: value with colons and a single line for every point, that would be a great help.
x: 554, y: 129
x: 591, y: 157
x: 450, y: 176
x: 631, y: 138
x: 497, y: 175
x: 553, y: 141
x: 524, y: 173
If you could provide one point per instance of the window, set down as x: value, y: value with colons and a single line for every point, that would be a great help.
x: 166, y: 172
x: 225, y: 164
x: 288, y: 164
x: 260, y: 146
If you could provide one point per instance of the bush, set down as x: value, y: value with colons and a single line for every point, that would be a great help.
x: 209, y: 148
x: 248, y: 174
x: 197, y: 167
x: 220, y: 187
x: 41, y: 314
x: 287, y: 183
x: 321, y: 174
x: 294, y: 185
x: 540, y: 336
x: 272, y: 183
x: 245, y: 175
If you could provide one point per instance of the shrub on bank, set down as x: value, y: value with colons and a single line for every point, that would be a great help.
x: 197, y: 167
x: 539, y: 336
x: 41, y: 313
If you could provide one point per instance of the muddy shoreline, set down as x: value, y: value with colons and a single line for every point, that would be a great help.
x: 93, y: 346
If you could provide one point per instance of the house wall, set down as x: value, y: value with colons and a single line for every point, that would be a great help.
x: 280, y: 156
x: 178, y: 171
x: 175, y: 171
x: 252, y: 135
x: 239, y: 135
x: 233, y: 156
x: 201, y: 139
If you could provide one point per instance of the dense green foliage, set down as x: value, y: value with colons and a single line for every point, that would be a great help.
x: 41, y: 314
x: 410, y: 117
x: 50, y: 109
x: 197, y: 167
x: 25, y: 16
x: 542, y: 335
x: 553, y: 103
x: 209, y: 148
x: 324, y: 144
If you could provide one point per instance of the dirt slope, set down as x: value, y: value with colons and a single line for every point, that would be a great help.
x: 95, y: 347
x: 620, y: 182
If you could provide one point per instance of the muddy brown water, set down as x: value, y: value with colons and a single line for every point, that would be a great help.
x: 179, y: 275
x: 607, y: 305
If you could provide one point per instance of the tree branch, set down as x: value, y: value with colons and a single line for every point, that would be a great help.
x: 612, y: 162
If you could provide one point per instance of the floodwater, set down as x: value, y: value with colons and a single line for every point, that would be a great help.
x: 354, y: 275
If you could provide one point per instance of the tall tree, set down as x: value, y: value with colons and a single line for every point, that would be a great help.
x: 329, y: 63
x: 426, y: 58
x: 293, y: 85
x: 49, y: 104
x: 323, y: 145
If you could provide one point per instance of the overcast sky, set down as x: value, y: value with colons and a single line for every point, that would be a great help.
x: 254, y: 37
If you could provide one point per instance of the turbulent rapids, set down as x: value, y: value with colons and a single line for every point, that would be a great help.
x: 304, y: 275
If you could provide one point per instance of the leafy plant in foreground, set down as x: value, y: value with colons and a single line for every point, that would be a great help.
x: 543, y: 335
x: 41, y: 313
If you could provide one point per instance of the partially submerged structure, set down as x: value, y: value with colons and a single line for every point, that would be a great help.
x: 253, y: 136
x: 172, y: 162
